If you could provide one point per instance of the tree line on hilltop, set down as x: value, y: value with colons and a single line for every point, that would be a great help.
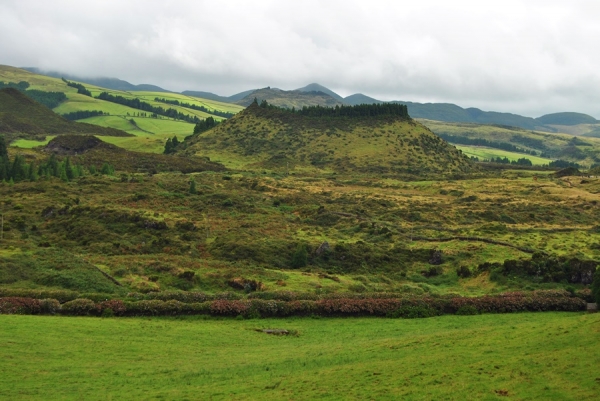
x: 361, y: 110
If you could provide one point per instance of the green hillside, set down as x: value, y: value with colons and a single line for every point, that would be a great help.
x: 148, y: 132
x: 21, y: 116
x: 567, y: 119
x: 550, y: 146
x: 273, y: 138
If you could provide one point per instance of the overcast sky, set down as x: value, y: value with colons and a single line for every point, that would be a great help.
x: 528, y: 57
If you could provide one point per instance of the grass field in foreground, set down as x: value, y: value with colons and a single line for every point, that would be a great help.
x: 524, y: 356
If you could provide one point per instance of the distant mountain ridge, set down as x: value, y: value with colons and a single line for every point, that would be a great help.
x: 218, y: 98
x: 104, y: 82
x: 316, y: 94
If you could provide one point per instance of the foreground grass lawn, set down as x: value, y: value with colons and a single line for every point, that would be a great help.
x: 524, y: 356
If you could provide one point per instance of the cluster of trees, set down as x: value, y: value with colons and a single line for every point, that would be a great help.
x: 464, y: 140
x: 361, y: 110
x: 504, y: 160
x: 80, y: 88
x: 205, y: 125
x: 171, y: 145
x: 18, y: 169
x: 528, y: 141
x: 140, y: 105
x: 223, y: 114
x: 81, y: 114
x: 48, y: 99
x: 563, y: 164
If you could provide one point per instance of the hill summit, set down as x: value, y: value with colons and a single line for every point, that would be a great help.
x: 366, y: 138
x: 290, y: 99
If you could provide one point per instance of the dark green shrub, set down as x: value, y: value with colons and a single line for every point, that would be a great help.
x: 79, y: 307
x: 596, y: 286
x: 414, y: 312
x: 463, y: 272
x: 467, y: 310
x: 51, y: 306
x: 300, y: 257
x: 433, y: 271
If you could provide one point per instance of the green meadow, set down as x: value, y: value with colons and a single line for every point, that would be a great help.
x: 519, y: 356
x: 489, y: 153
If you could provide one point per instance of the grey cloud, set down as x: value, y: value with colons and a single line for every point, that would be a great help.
x: 527, y: 57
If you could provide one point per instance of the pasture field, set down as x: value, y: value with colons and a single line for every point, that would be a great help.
x: 489, y: 153
x: 31, y: 143
x: 209, y: 104
x: 516, y: 356
x: 150, y: 133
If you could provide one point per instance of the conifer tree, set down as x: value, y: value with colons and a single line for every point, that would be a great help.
x: 193, y: 189
x: 3, y: 148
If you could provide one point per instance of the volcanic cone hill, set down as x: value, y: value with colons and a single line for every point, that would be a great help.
x: 289, y: 99
x: 89, y: 150
x: 364, y: 138
x: 21, y: 115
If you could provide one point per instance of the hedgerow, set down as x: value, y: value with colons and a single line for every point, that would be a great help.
x: 415, y: 307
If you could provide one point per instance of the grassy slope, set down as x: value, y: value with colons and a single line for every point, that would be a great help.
x: 524, y: 356
x: 150, y: 133
x: 250, y: 224
x: 159, y: 129
x: 22, y: 116
x: 556, y: 144
x: 278, y: 139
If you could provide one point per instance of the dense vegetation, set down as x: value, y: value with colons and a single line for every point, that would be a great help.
x: 19, y: 170
x: 359, y: 111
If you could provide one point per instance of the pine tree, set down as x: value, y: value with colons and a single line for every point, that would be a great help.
x: 192, y: 189
x: 300, y: 257
x: 17, y: 172
x: 3, y: 148
x: 168, y: 146
x: 69, y: 169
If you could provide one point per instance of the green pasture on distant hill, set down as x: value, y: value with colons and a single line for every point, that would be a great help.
x: 489, y: 153
x: 514, y: 356
x: 583, y: 150
x: 150, y: 133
